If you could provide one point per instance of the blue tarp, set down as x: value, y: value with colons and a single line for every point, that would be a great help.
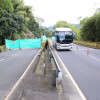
x: 53, y: 38
x: 25, y: 43
x: 44, y: 39
x: 12, y: 44
x: 30, y: 43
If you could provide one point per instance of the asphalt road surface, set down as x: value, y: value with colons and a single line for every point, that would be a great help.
x: 13, y: 63
x: 84, y: 65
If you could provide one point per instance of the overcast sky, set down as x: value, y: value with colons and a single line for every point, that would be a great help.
x: 53, y: 11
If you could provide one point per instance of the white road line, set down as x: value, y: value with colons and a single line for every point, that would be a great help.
x: 75, y: 84
x: 94, y: 58
x: 91, y: 57
x: 2, y: 59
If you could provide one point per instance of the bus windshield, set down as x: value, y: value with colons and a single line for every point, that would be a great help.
x: 64, y: 36
x: 61, y: 35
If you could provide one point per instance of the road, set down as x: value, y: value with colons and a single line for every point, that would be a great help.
x: 13, y: 63
x: 84, y: 65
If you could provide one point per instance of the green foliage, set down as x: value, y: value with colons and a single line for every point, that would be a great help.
x: 76, y: 31
x: 39, y: 20
x: 15, y: 36
x: 6, y: 5
x: 91, y: 29
x: 33, y: 25
x: 82, y: 21
x: 60, y: 24
x: 29, y: 20
x: 17, y: 21
x: 8, y: 25
x: 23, y: 35
x: 46, y: 32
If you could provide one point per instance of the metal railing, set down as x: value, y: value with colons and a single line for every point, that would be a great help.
x: 57, y: 72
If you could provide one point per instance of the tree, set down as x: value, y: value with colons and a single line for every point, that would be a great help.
x: 39, y: 20
x: 17, y: 21
x: 91, y: 29
x: 29, y: 20
x: 60, y: 24
x: 8, y: 26
x: 6, y: 5
x: 82, y: 20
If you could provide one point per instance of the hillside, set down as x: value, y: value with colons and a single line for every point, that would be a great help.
x: 50, y: 28
x: 76, y: 25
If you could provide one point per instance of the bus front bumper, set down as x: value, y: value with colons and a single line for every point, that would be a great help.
x: 67, y: 46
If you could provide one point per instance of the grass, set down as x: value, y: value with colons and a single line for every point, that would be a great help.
x: 40, y: 64
x: 3, y: 48
x: 88, y: 44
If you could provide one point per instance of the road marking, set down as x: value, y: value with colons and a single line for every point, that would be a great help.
x: 75, y: 84
x: 92, y: 57
x: 2, y: 59
x: 17, y: 83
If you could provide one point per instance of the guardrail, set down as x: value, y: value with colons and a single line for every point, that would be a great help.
x: 56, y: 73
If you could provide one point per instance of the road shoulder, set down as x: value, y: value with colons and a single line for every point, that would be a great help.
x: 70, y: 87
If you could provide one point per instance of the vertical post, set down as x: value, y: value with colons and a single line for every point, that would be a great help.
x: 77, y: 48
x: 19, y: 45
x: 87, y: 51
x: 60, y: 77
x: 54, y: 78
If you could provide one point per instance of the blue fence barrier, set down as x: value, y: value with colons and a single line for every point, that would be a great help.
x: 25, y: 43
x: 53, y: 38
x: 43, y: 38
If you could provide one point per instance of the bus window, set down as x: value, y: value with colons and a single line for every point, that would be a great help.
x: 68, y: 33
x: 61, y: 35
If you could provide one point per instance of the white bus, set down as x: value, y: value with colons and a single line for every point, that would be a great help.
x: 63, y: 38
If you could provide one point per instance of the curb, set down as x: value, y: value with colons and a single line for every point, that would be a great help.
x: 20, y: 79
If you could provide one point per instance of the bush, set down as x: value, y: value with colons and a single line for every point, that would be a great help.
x: 15, y: 36
x: 1, y: 48
x: 90, y: 30
x: 88, y: 44
x: 23, y: 35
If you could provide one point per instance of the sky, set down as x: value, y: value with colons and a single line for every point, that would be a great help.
x: 52, y: 11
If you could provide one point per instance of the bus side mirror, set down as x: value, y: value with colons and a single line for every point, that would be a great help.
x: 74, y: 35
